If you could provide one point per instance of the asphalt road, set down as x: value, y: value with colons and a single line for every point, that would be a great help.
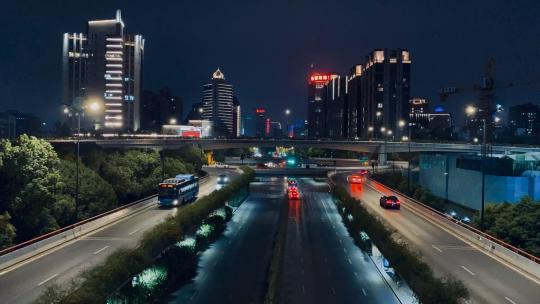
x: 488, y: 280
x: 234, y: 268
x: 322, y: 264
x: 24, y: 283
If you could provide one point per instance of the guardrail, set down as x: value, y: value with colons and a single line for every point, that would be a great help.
x: 38, y: 245
x: 511, y: 254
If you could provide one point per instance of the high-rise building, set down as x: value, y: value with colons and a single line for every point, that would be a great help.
x: 334, y: 97
x: 316, y: 105
x: 524, y: 120
x: 105, y: 63
x: 196, y: 112
x: 13, y: 124
x: 418, y: 114
x: 386, y: 90
x: 218, y: 104
x: 356, y: 113
x: 158, y: 109
x: 260, y: 122
x: 237, y: 117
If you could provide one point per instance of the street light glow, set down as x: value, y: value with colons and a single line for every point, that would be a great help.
x: 172, y: 121
x: 389, y: 132
x: 401, y: 123
x: 370, y: 129
x: 470, y: 110
x: 287, y: 112
x: 383, y: 129
x: 378, y: 113
x: 94, y: 106
x: 66, y: 110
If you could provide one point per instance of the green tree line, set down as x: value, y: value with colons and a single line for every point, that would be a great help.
x: 38, y: 184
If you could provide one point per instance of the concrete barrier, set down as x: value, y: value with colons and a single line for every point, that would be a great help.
x: 514, y: 256
x: 39, y: 245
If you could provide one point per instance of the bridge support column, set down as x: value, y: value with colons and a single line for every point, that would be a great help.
x: 382, y: 158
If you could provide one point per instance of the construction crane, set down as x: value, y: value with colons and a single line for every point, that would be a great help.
x: 486, y: 95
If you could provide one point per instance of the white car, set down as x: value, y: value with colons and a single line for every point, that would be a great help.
x: 221, y: 165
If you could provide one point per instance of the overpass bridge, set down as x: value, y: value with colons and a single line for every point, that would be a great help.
x: 365, y: 146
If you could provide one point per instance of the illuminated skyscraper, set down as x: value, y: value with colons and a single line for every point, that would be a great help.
x: 105, y: 63
x: 316, y: 105
x: 218, y: 104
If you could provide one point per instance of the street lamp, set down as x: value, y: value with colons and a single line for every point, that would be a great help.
x: 287, y: 113
x: 172, y: 121
x: 78, y: 108
x: 471, y: 110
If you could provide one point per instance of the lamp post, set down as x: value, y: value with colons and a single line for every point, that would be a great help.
x: 78, y: 109
x: 471, y: 110
x: 402, y: 124
x: 287, y: 113
x: 370, y: 131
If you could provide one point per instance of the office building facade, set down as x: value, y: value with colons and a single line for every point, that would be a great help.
x: 316, y: 105
x: 158, y: 109
x: 218, y: 104
x: 237, y: 118
x: 105, y: 64
x: 260, y: 122
x: 524, y: 120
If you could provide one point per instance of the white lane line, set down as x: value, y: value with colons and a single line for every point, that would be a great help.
x: 364, y: 292
x: 436, y: 248
x: 104, y: 248
x: 303, y: 289
x: 3, y: 273
x: 134, y: 231
x: 467, y: 270
x: 344, y: 250
x: 48, y: 279
x: 349, y: 261
x: 509, y: 300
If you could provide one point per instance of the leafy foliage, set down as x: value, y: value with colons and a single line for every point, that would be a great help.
x: 101, y: 281
x: 28, y: 183
x: 7, y: 230
x: 407, y: 263
x: 517, y: 224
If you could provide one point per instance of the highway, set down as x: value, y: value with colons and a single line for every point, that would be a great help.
x: 322, y: 264
x: 488, y: 279
x: 25, y: 282
x: 234, y: 269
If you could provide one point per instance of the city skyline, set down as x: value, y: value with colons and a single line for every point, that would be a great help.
x: 187, y: 63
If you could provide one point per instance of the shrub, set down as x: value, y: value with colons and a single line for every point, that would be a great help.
x: 408, y: 264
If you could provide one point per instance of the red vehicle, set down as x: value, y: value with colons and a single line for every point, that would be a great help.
x: 354, y: 179
x: 364, y: 172
x: 293, y: 194
x: 390, y: 202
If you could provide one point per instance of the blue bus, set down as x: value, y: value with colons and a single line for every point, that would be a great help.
x: 179, y: 190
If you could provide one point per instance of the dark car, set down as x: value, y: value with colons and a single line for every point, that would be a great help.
x: 222, y: 179
x: 390, y: 202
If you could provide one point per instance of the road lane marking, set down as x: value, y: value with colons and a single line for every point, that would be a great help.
x: 104, y: 248
x: 344, y: 250
x: 509, y: 300
x: 364, y: 292
x: 349, y: 261
x: 48, y: 279
x: 467, y: 270
x: 303, y: 289
x: 134, y: 231
x: 436, y: 248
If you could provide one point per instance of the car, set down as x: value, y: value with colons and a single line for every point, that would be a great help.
x: 364, y: 172
x: 221, y: 165
x: 390, y: 202
x: 222, y: 179
x: 293, y: 194
x: 354, y: 179
x: 261, y: 166
x: 292, y: 182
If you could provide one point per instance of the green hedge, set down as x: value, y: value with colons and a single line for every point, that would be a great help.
x: 408, y: 264
x: 97, y: 284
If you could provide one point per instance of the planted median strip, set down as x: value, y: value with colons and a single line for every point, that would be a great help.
x: 166, y: 245
x: 419, y: 276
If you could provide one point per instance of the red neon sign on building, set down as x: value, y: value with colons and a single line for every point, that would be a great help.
x: 267, y: 127
x: 260, y: 110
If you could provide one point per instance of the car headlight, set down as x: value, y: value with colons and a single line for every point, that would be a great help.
x: 175, y: 202
x: 226, y: 179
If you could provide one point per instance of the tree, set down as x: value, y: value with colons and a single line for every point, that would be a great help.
x: 7, y: 231
x: 95, y: 194
x: 28, y: 182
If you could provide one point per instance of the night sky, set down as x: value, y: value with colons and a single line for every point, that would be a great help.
x: 265, y: 48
